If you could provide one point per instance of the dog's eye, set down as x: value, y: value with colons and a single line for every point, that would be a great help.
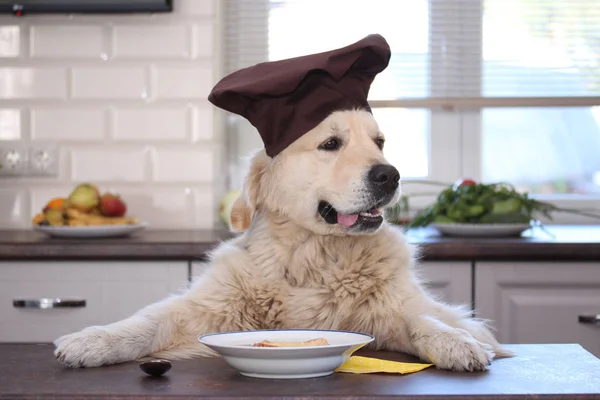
x: 380, y: 142
x: 331, y: 144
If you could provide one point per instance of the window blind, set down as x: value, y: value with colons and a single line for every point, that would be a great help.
x: 445, y: 53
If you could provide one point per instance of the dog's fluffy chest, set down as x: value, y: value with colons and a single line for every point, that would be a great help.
x: 323, y: 282
x: 286, y: 278
x: 345, y: 267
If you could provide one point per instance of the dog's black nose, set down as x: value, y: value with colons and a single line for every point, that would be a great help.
x: 384, y: 177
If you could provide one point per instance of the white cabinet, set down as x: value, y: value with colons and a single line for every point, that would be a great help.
x: 450, y: 281
x: 540, y: 302
x: 111, y: 291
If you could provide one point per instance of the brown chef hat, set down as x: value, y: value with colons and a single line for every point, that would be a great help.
x: 287, y: 98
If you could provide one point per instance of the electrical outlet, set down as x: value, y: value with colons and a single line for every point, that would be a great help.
x: 13, y: 159
x: 43, y: 160
x: 20, y: 159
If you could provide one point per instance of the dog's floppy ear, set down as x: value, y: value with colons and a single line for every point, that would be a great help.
x: 244, y: 206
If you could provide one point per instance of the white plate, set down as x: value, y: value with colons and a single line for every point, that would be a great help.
x: 104, y: 231
x: 285, y: 362
x: 481, y: 230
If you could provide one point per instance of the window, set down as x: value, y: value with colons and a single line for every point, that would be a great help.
x: 497, y: 90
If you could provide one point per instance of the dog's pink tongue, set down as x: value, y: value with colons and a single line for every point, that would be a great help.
x: 347, y: 220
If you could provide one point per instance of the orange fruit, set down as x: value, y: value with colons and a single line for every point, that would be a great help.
x: 56, y: 202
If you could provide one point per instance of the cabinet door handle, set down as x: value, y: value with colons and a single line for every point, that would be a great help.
x: 45, y: 303
x: 590, y: 319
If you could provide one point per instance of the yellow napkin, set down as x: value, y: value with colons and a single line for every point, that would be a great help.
x: 367, y: 365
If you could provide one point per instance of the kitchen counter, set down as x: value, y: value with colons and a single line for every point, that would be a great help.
x: 556, y: 371
x: 572, y: 243
x: 145, y: 245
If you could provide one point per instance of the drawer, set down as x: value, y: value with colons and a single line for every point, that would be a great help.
x: 111, y: 291
x: 540, y: 302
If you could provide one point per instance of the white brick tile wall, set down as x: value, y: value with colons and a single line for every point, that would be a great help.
x: 202, y: 35
x: 183, y: 82
x: 64, y: 164
x: 124, y: 99
x: 10, y: 124
x: 204, y: 203
x: 10, y: 41
x: 160, y: 207
x: 202, y: 123
x: 13, y: 207
x: 193, y: 164
x: 85, y: 125
x: 66, y: 41
x: 33, y: 83
x: 108, y: 164
x: 152, y: 124
x: 152, y: 41
x: 109, y: 83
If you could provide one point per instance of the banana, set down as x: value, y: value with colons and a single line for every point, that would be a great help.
x: 96, y: 220
x: 74, y: 222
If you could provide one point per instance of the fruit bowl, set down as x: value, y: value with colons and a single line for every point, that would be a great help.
x: 86, y: 213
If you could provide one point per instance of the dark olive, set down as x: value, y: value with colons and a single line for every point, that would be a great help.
x: 155, y: 367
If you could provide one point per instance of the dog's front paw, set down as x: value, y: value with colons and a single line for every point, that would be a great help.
x: 91, y: 347
x: 457, y: 350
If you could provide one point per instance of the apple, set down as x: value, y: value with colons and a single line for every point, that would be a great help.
x: 111, y: 205
x: 83, y: 198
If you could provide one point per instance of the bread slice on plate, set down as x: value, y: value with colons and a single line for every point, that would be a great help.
x: 312, y: 342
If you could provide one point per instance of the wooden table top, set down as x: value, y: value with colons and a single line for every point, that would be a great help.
x: 556, y: 371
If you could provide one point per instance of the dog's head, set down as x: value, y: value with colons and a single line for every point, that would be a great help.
x: 333, y: 180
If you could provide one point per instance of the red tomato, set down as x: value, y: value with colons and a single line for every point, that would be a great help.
x: 464, y: 182
x: 467, y: 182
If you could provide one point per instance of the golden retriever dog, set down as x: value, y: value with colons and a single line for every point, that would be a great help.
x: 312, y: 251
